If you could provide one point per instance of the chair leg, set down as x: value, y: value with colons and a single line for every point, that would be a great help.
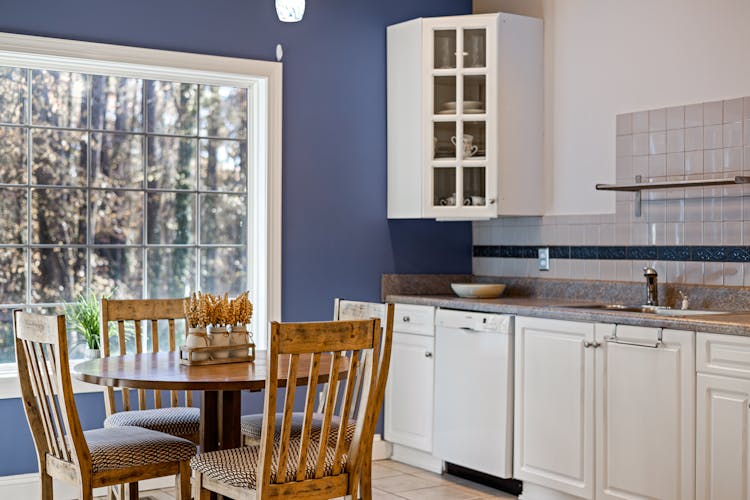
x: 199, y: 492
x: 133, y: 491
x: 182, y: 480
x: 86, y: 492
x: 47, y: 489
x: 366, y: 478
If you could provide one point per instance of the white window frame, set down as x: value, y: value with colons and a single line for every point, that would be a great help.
x: 263, y: 78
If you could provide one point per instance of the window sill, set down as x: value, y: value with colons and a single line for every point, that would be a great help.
x: 10, y: 387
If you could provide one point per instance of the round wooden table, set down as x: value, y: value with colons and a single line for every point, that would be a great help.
x: 220, y: 385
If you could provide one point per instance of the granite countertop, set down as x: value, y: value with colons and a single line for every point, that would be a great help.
x: 734, y: 323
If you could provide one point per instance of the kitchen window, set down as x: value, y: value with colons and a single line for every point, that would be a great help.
x: 133, y: 177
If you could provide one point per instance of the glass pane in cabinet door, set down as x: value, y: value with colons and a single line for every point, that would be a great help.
x: 475, y: 141
x: 475, y: 191
x: 475, y: 52
x: 445, y: 49
x: 444, y: 141
x: 444, y: 91
x: 444, y: 187
x: 475, y: 95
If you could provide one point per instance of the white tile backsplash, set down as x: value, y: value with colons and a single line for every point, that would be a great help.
x: 696, y: 141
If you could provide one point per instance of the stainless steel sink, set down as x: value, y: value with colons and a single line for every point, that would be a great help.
x: 663, y: 311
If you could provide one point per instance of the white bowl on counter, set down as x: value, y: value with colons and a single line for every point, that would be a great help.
x: 478, y: 290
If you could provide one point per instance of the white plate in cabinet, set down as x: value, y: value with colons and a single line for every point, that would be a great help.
x: 465, y: 133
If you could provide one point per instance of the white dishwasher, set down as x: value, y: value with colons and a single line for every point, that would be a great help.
x: 474, y: 391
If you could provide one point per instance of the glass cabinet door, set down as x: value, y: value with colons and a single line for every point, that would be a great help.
x: 459, y: 120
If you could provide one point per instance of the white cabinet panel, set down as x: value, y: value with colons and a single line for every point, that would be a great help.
x: 554, y: 405
x: 409, y: 393
x: 645, y: 407
x: 724, y: 355
x: 723, y: 446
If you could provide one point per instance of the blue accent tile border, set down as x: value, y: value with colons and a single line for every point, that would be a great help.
x: 651, y: 252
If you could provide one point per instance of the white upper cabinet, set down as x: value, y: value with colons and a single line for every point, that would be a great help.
x: 465, y: 117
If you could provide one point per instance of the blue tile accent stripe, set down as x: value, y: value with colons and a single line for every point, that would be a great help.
x: 654, y: 252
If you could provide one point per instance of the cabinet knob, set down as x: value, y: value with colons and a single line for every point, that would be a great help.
x: 406, y: 319
x: 492, y: 201
x: 427, y: 354
x: 588, y: 344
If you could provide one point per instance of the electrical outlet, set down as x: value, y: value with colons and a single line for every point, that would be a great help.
x: 543, y: 259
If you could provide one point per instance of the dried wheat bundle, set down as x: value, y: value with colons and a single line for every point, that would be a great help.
x: 241, y: 309
x: 197, y: 310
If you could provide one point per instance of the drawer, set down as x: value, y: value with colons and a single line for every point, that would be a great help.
x: 727, y: 355
x: 414, y: 319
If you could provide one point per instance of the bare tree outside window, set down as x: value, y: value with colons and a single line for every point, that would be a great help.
x: 118, y: 185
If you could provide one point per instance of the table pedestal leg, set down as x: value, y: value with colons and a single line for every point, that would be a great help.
x: 220, y: 422
x: 231, y: 435
x: 209, y: 429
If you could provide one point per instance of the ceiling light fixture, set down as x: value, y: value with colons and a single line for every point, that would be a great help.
x: 290, y: 11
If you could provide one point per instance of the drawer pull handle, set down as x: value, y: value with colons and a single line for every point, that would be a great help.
x: 406, y: 319
x: 427, y: 354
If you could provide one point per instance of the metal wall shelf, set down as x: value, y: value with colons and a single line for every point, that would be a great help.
x: 639, y: 186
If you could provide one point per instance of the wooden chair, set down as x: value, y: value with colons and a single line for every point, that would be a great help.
x: 180, y: 420
x: 252, y: 425
x: 317, y: 464
x: 94, y: 458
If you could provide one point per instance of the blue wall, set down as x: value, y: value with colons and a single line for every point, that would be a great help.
x: 336, y: 239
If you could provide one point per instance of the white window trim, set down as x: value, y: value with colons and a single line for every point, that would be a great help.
x: 266, y: 76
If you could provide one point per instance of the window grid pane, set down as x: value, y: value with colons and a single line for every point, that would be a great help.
x: 110, y: 180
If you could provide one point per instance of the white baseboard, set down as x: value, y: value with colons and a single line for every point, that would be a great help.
x: 28, y: 486
x: 417, y: 458
x: 381, y: 450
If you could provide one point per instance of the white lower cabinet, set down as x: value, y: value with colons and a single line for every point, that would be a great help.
x: 409, y: 396
x: 723, y: 418
x: 645, y: 414
x: 591, y: 411
x: 554, y: 405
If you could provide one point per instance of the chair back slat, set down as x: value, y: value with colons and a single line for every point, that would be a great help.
x: 312, y: 384
x: 342, y: 346
x: 129, y: 316
x: 328, y: 412
x: 46, y: 388
x: 351, y: 381
x: 37, y: 379
x: 286, y: 422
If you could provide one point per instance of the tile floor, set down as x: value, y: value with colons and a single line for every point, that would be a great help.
x: 396, y: 481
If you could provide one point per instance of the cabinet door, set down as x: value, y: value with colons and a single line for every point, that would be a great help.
x: 409, y: 393
x: 645, y: 415
x: 723, y: 446
x: 554, y: 405
x: 461, y: 103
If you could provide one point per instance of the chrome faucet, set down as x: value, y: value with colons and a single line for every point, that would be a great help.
x: 652, y: 292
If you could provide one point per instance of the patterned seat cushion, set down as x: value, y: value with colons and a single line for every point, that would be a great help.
x: 238, y: 466
x: 252, y: 426
x: 122, y: 447
x: 178, y: 421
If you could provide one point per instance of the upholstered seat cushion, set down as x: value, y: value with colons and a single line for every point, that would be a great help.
x: 238, y: 466
x: 252, y: 426
x: 122, y: 447
x: 178, y: 421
